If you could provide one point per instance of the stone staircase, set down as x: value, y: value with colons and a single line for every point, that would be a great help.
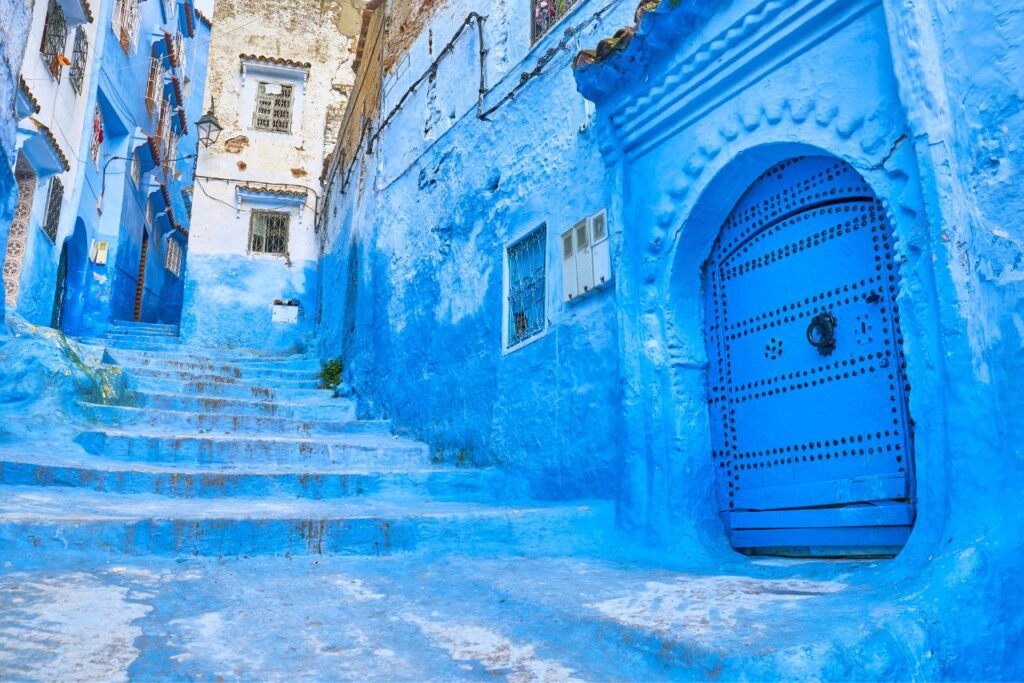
x: 223, y: 452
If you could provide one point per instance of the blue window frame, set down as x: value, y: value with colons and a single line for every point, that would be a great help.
x: 526, y: 288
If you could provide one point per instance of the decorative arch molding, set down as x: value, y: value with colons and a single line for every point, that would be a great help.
x: 683, y: 167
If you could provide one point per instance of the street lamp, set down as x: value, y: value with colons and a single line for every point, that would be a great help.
x: 209, y: 127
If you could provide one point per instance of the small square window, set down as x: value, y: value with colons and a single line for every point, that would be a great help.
x: 273, y: 107
x: 526, y: 288
x: 268, y: 232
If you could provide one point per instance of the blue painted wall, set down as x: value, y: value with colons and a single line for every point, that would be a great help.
x: 17, y: 18
x: 117, y: 85
x: 231, y: 292
x: 412, y: 274
x: 922, y: 100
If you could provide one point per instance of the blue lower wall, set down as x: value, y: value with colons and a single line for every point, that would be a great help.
x: 228, y: 302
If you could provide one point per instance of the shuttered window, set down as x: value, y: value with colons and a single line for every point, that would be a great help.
x: 273, y: 108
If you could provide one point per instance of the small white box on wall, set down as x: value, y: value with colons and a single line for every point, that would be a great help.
x: 285, y: 312
x: 586, y: 260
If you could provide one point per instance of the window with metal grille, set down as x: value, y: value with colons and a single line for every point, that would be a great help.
x: 154, y: 86
x: 78, y: 58
x: 546, y: 14
x: 97, y: 137
x: 53, y: 200
x: 125, y: 22
x: 273, y: 107
x: 268, y: 232
x: 172, y: 260
x: 526, y: 288
x: 55, y: 35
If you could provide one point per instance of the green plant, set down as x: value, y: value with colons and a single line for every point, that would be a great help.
x: 330, y: 373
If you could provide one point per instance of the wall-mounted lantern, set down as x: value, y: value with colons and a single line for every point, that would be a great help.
x: 209, y: 127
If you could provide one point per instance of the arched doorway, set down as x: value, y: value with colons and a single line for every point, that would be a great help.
x: 807, y: 395
x: 72, y: 281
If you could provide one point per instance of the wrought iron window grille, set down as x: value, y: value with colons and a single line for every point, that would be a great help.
x: 97, y: 137
x: 55, y: 36
x: 172, y: 259
x: 547, y: 13
x: 527, y: 287
x: 273, y: 108
x: 154, y: 86
x: 125, y: 22
x: 79, y: 56
x: 53, y: 201
x: 268, y: 232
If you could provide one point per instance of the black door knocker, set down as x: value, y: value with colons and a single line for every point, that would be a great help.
x: 821, y: 333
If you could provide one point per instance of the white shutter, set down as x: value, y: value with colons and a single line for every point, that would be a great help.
x: 599, y: 248
x: 568, y: 266
x: 584, y: 263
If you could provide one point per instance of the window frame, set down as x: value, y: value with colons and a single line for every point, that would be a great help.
x: 273, y: 104
x: 125, y: 22
x: 49, y: 47
x: 173, y: 254
x: 54, y: 202
x: 535, y: 35
x: 79, y: 58
x: 506, y: 347
x: 253, y: 215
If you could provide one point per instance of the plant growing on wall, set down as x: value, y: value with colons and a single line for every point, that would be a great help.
x: 330, y: 374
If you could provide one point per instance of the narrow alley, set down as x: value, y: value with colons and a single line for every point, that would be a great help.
x: 524, y: 340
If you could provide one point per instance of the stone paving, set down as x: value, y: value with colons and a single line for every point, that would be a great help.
x: 237, y: 522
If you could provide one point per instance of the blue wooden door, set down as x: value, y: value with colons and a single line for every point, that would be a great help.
x: 810, y: 430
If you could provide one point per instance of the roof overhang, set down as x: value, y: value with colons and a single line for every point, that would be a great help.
x: 40, y: 147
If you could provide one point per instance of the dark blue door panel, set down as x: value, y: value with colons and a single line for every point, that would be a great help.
x: 806, y: 385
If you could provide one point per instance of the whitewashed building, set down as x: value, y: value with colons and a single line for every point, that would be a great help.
x: 251, y: 279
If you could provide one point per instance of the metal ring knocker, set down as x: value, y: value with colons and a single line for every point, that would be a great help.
x: 821, y: 333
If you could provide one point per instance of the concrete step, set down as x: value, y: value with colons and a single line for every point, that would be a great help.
x: 347, y: 450
x: 134, y: 341
x: 184, y: 354
x: 226, y: 369
x: 327, y: 409
x: 231, y: 388
x: 196, y: 422
x: 37, y: 523
x: 133, y: 325
x: 76, y: 469
x: 190, y: 376
x: 144, y: 332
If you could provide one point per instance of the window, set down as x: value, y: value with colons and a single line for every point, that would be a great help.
x: 136, y: 169
x: 154, y: 86
x: 78, y: 59
x: 172, y: 261
x: 525, y: 288
x: 149, y: 214
x: 586, y: 262
x: 55, y: 35
x: 273, y: 108
x: 125, y: 22
x: 268, y: 232
x: 97, y: 137
x: 546, y: 14
x: 53, y: 200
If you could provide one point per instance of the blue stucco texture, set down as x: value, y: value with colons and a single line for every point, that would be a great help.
x: 228, y: 302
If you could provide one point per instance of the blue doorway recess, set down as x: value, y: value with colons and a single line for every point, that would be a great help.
x: 811, y: 435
